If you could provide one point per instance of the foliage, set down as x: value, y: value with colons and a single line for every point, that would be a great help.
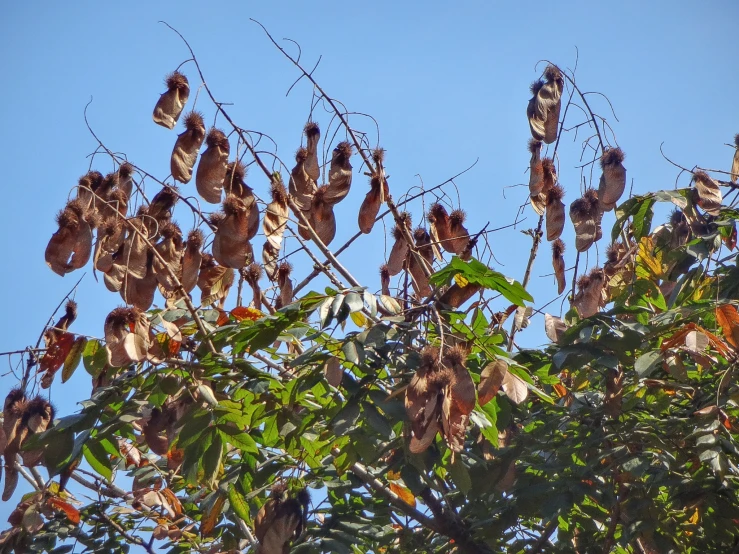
x: 399, y: 421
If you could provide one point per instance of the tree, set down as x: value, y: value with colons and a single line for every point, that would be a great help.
x: 351, y: 420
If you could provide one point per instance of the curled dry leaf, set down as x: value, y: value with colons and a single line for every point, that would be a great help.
x: 273, y: 224
x: 554, y: 327
x: 558, y: 264
x: 585, y: 215
x: 171, y: 103
x: 709, y: 193
x: 613, y: 180
x: 333, y: 371
x: 214, y: 281
x: 212, y: 167
x: 185, y: 152
x: 555, y: 212
x: 70, y: 247
x: 545, y: 105
x: 515, y: 388
x: 371, y: 205
x: 491, y: 379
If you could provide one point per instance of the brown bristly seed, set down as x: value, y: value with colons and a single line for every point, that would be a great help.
x: 457, y: 216
x: 397, y: 233
x: 195, y: 238
x: 736, y: 140
x: 126, y: 170
x: 557, y: 192
x: 384, y: 273
x: 121, y: 316
x: 176, y: 80
x: 552, y: 73
x: 420, y: 234
x: 547, y: 165
x: 591, y: 197
x: 612, y: 156
x: 301, y: 154
x: 311, y: 128
x: 194, y: 120
x: 378, y: 155
x: 67, y: 218
x: 236, y: 169
x: 702, y: 176
x: 216, y: 137
x: 216, y: 218
x: 677, y: 217
x: 254, y: 272
x: 534, y: 146
x: 70, y: 310
x: 535, y: 87
x: 278, y: 192
x: 612, y: 252
x: 169, y: 230
x: 583, y: 282
x: 456, y: 355
x: 284, y: 269
x: 429, y: 356
x: 344, y: 150
x: 233, y: 205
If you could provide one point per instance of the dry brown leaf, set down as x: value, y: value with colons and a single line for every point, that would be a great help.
x: 728, y: 318
x: 491, y: 380
x: 515, y: 388
x: 554, y: 327
x: 171, y: 103
x: 333, y: 371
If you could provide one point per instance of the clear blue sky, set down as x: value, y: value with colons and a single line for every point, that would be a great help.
x: 447, y: 82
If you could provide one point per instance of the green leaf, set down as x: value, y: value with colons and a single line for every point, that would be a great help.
x: 354, y: 302
x: 478, y: 273
x: 647, y: 363
x: 460, y: 475
x: 98, y: 458
x: 94, y: 357
x: 57, y: 453
x: 73, y: 358
x: 212, y: 459
x: 238, y: 504
x: 238, y: 438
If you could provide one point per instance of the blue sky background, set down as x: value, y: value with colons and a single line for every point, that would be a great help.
x: 447, y: 82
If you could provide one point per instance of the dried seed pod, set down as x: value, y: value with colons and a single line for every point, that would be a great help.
x: 735, y: 164
x: 371, y: 205
x: 70, y: 247
x: 212, y: 167
x: 38, y: 416
x: 536, y: 171
x: 458, y: 234
x: 13, y: 409
x: 613, y: 180
x: 459, y: 399
x: 440, y: 227
x: 312, y: 135
x: 399, y: 251
x: 275, y: 220
x: 384, y: 280
x: 133, y: 256
x: 322, y: 217
x: 231, y: 247
x: 185, y: 152
x: 544, y: 107
x: 680, y: 229
x: 302, y: 186
x: 125, y: 179
x: 279, y: 521
x: 192, y: 259
x: 340, y: 173
x: 170, y: 248
x: 86, y: 186
x: 126, y: 336
x: 171, y: 103
x: 419, y: 279
x: 589, y: 295
x: 159, y: 211
x: 554, y: 327
x: 252, y: 274
x: 558, y: 263
x: 285, y: 284
x: 422, y: 402
x: 214, y: 281
x: 555, y: 213
x: 455, y: 295
x: 709, y: 193
x: 584, y: 212
x: 139, y: 292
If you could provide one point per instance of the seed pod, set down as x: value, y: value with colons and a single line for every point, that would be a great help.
x: 212, y: 167
x: 126, y: 336
x: 70, y: 247
x: 109, y: 242
x: 170, y: 248
x: 439, y: 226
x: 171, y: 103
x: 38, y: 416
x: 340, y: 173
x: 709, y: 193
x: 399, y: 251
x: 279, y: 521
x: 544, y: 107
x: 252, y: 274
x: 735, y: 163
x: 371, y: 205
x: 312, y: 135
x: 613, y: 180
x: 15, y: 405
x: 275, y: 220
x: 547, y: 182
x: 86, y: 186
x: 536, y: 172
x: 302, y: 187
x: 133, y: 256
x: 458, y: 234
x: 420, y: 281
x: 231, y: 247
x: 554, y: 327
x: 422, y: 404
x: 322, y: 217
x: 558, y: 263
x: 459, y: 399
x: 234, y: 184
x: 589, y: 295
x: 585, y: 213
x: 185, y: 152
x: 680, y: 229
x: 139, y: 292
x: 455, y: 295
x: 160, y: 208
x: 384, y: 280
x: 192, y: 259
x: 555, y: 213
x: 285, y: 284
x: 125, y: 179
x: 214, y: 281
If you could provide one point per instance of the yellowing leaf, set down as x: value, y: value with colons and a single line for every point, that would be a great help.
x: 728, y: 318
x: 461, y: 280
x: 403, y: 493
x: 208, y: 523
x: 647, y: 259
x: 241, y: 313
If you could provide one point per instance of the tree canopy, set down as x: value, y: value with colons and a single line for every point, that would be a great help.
x: 252, y: 411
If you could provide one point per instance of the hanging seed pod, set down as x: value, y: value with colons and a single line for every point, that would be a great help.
x: 399, y: 251
x: 279, y: 521
x: 591, y: 195
x: 420, y: 281
x: 231, y: 247
x: 212, y: 167
x: 234, y: 184
x: 185, y: 152
x: 133, y: 256
x: 680, y: 229
x: 709, y: 193
x: 422, y: 404
x: 583, y: 213
x: 545, y: 105
x: 558, y: 264
x: 37, y: 418
x: 371, y: 205
x: 302, y: 187
x: 86, y: 186
x: 613, y: 256
x: 312, y: 135
x: 384, y: 280
x: 322, y: 217
x: 252, y: 274
x: 160, y: 208
x: 459, y: 399
x: 126, y: 336
x: 589, y: 295
x: 555, y: 213
x: 191, y: 259
x: 70, y: 247
x: 554, y: 327
x: 285, y: 285
x: 545, y: 184
x: 110, y: 241
x: 171, y: 103
x: 440, y: 227
x: 275, y: 220
x: 458, y: 234
x: 735, y: 163
x: 170, y: 248
x: 140, y: 292
x: 13, y: 409
x: 613, y: 180
x: 214, y: 281
x: 536, y: 171
x: 340, y: 173
x: 125, y: 179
